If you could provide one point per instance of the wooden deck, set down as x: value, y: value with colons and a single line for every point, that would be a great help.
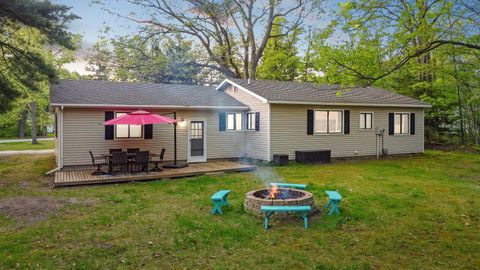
x: 84, y: 177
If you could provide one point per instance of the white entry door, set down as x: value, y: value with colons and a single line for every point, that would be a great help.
x: 197, y: 141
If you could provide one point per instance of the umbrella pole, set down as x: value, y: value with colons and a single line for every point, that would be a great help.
x: 175, y: 139
x: 175, y: 164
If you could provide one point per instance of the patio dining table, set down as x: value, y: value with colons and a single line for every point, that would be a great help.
x: 130, y: 156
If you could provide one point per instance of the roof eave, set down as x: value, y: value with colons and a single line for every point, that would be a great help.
x: 349, y: 104
x: 73, y: 105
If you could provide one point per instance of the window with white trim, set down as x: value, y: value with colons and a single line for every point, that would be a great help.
x: 328, y: 121
x: 127, y: 131
x: 402, y: 123
x: 366, y: 120
x: 234, y: 121
x: 250, y: 120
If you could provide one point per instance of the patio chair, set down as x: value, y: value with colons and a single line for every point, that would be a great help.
x: 96, y: 162
x: 133, y: 150
x: 111, y: 151
x: 156, y: 168
x: 141, y: 161
x: 119, y: 159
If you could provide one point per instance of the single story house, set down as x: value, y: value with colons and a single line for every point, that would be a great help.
x: 236, y: 119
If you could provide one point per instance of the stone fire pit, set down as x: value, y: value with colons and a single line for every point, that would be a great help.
x: 279, y: 196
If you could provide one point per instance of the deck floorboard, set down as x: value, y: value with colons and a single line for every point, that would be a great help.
x: 84, y: 177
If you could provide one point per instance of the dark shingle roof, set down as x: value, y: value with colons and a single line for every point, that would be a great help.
x: 94, y: 92
x: 278, y: 91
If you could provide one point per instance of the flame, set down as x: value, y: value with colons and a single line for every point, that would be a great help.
x: 273, y: 192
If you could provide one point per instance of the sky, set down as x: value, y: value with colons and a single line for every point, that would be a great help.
x: 94, y: 19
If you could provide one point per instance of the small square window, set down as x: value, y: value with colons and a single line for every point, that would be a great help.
x: 402, y: 123
x: 127, y: 131
x: 366, y: 120
x: 234, y: 121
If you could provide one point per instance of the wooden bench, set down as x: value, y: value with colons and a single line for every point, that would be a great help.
x: 303, y: 210
x: 219, y: 199
x: 334, y: 199
x: 289, y: 185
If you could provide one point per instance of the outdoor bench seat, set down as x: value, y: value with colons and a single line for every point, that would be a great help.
x: 219, y: 199
x: 303, y: 210
x: 289, y: 185
x: 334, y: 199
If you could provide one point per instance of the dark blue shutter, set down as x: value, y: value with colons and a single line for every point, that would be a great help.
x: 309, y: 122
x: 222, y: 121
x: 257, y: 121
x: 109, y: 130
x: 346, y: 122
x: 391, y: 124
x: 412, y: 124
x: 148, y: 129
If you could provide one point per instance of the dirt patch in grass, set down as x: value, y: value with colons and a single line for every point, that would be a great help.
x: 29, y: 210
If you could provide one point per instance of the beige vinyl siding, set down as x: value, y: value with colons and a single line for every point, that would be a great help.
x: 289, y: 132
x: 257, y: 142
x: 83, y: 130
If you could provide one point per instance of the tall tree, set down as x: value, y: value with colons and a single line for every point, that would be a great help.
x: 99, y: 60
x: 280, y: 60
x: 159, y: 59
x: 215, y: 25
x: 21, y: 67
x: 411, y: 29
x: 380, y: 51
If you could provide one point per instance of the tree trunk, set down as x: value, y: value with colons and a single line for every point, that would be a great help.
x: 21, y: 124
x: 33, y: 110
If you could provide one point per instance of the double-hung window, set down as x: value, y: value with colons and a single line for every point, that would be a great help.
x: 366, y: 120
x: 250, y: 121
x: 328, y: 121
x: 127, y: 131
x: 402, y: 123
x: 234, y: 121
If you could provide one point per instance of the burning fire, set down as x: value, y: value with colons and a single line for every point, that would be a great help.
x: 273, y: 192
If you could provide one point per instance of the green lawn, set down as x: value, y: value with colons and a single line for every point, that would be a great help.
x: 49, y: 135
x: 27, y: 145
x: 418, y: 213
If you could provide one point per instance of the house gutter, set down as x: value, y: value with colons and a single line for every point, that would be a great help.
x: 73, y: 105
x: 349, y: 104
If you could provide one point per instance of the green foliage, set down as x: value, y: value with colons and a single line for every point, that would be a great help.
x: 380, y: 45
x: 280, y: 60
x: 21, y: 65
x: 154, y: 59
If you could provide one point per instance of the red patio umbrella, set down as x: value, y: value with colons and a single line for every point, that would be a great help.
x: 141, y: 117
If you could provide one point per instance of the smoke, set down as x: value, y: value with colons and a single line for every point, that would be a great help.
x: 268, y: 175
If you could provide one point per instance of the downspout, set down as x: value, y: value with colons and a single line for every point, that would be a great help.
x: 60, y: 145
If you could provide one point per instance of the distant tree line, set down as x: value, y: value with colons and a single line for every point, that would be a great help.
x: 426, y: 49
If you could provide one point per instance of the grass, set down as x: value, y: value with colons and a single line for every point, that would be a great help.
x: 27, y: 145
x: 49, y: 135
x: 416, y: 213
